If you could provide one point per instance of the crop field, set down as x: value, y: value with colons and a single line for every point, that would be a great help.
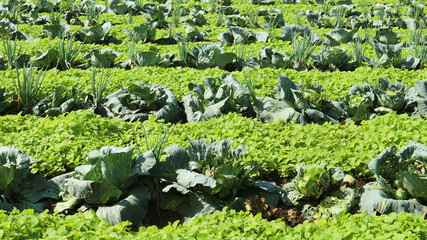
x: 213, y: 119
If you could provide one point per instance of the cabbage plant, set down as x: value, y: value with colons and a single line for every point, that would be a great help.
x: 206, y: 177
x: 59, y: 102
x: 365, y: 102
x: 298, y: 103
x: 269, y: 57
x: 320, y: 191
x: 220, y: 96
x: 387, y: 54
x: 339, y: 36
x: 103, y: 58
x: 209, y: 56
x: 401, y: 181
x: 18, y: 187
x: 289, y: 31
x: 238, y: 35
x: 389, y: 96
x: 416, y: 99
x: 95, y: 34
x: 332, y: 59
x: 360, y: 102
x: 137, y: 101
x: 112, y: 182
x: 143, y: 33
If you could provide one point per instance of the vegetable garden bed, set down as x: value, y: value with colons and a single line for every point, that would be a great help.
x: 213, y: 119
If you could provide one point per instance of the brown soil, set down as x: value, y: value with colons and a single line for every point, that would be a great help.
x: 292, y: 216
x: 361, y: 182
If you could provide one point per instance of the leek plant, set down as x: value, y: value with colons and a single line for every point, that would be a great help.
x: 253, y: 18
x: 68, y: 5
x: 99, y: 87
x: 298, y: 19
x: 325, y: 6
x: 139, y: 3
x: 418, y: 44
x: 182, y: 48
x: 67, y: 52
x: 381, y: 14
x: 340, y: 17
x: 129, y: 19
x: 367, y: 31
x: 13, y: 10
x: 130, y: 50
x: 415, y: 10
x: 358, y: 50
x: 240, y: 51
x: 213, y: 4
x: 365, y: 8
x: 220, y: 19
x: 160, y: 142
x: 272, y: 24
x: 55, y: 17
x: 176, y: 13
x: 92, y: 14
x: 28, y: 87
x: 12, y: 51
x: 302, y: 47
x: 248, y: 80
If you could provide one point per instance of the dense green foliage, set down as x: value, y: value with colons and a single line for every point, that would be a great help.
x: 336, y: 84
x: 61, y: 143
x: 229, y: 225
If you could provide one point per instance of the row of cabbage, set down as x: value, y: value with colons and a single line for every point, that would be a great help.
x: 304, y: 40
x: 206, y: 177
x: 300, y: 103
x: 385, y: 42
